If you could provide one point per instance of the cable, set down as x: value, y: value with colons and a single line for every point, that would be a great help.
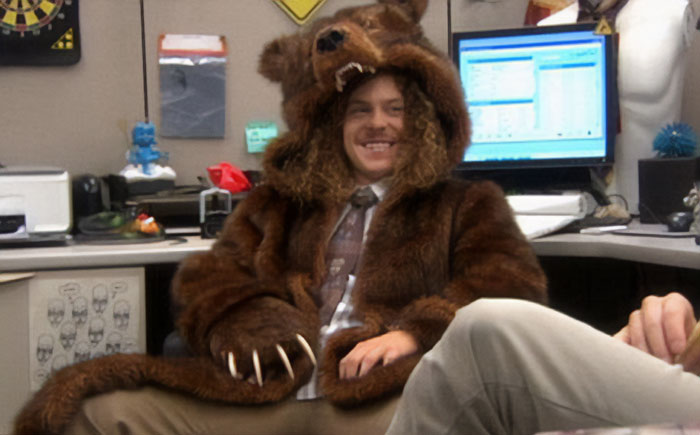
x: 143, y: 62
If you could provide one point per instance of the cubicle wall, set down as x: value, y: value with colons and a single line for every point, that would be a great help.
x: 80, y: 117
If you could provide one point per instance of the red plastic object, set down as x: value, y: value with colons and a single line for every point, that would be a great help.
x: 228, y: 177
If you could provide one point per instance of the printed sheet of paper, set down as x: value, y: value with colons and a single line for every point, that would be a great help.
x: 82, y: 314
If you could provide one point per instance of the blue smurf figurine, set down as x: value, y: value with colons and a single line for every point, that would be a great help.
x: 142, y: 173
x: 144, y: 151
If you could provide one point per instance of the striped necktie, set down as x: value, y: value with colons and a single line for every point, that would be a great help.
x: 344, y: 251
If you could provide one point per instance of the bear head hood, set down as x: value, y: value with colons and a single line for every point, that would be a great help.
x: 318, y: 67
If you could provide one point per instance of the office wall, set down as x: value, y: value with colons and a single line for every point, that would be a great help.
x: 80, y: 117
x: 77, y: 117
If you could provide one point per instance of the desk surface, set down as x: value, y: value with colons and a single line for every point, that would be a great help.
x: 679, y: 252
x: 87, y: 256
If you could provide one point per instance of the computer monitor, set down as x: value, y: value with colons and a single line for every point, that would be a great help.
x: 538, y: 97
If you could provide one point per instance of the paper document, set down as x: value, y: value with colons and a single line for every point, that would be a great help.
x: 533, y: 225
x: 574, y: 204
x: 538, y: 215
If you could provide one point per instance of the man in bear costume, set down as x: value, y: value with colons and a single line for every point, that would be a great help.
x: 253, y: 309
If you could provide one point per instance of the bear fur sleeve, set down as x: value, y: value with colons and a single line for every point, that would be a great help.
x: 239, y: 296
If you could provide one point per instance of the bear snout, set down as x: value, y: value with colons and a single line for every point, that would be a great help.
x: 329, y: 41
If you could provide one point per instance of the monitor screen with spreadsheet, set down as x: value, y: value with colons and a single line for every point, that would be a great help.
x: 538, y: 96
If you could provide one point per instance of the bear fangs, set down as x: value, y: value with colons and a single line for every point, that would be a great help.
x: 344, y: 71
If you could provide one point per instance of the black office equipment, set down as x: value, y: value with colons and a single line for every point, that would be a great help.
x: 663, y: 183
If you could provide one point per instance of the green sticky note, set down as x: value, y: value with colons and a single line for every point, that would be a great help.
x: 258, y: 134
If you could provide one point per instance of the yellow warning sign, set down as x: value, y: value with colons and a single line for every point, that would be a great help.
x: 300, y: 10
x: 65, y: 42
x: 603, y: 27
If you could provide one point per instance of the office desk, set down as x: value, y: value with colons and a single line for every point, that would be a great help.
x: 665, y: 251
x: 603, y: 261
x: 91, y: 256
x: 601, y: 278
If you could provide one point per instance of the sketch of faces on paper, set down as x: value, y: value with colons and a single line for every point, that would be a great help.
x: 100, y: 298
x: 81, y: 352
x: 75, y: 321
x: 122, y: 311
x: 68, y: 335
x: 44, y: 348
x: 96, y: 330
x: 56, y: 312
x: 80, y: 311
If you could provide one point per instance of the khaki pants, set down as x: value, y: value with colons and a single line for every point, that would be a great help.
x: 156, y: 411
x: 514, y: 367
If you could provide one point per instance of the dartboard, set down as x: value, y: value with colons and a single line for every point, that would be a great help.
x: 39, y: 32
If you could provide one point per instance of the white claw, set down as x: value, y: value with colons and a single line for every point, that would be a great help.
x: 307, y: 348
x: 232, y: 365
x: 256, y: 365
x: 285, y: 360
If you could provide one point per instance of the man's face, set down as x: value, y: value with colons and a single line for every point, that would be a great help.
x: 371, y: 127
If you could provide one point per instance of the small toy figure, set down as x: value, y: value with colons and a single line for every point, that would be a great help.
x: 144, y: 151
x: 693, y: 200
x: 143, y: 174
x: 676, y: 140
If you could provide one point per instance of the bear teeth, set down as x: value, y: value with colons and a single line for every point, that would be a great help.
x: 341, y: 75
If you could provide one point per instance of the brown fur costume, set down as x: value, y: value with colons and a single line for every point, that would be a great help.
x: 435, y: 244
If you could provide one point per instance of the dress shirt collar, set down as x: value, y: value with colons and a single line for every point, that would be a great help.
x: 380, y: 187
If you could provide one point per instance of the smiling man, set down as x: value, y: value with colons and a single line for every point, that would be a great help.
x: 371, y: 128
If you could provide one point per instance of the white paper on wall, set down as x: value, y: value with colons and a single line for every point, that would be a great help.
x: 79, y: 315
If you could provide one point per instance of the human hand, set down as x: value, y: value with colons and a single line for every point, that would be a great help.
x: 386, y: 348
x: 690, y: 358
x: 661, y: 326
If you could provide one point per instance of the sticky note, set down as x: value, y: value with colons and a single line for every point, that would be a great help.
x: 258, y: 134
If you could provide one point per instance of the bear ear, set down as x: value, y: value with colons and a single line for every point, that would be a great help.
x: 414, y: 8
x: 281, y: 57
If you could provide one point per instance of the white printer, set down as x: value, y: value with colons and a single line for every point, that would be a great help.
x: 34, y: 202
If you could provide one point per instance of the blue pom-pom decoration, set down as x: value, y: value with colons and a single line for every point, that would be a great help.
x: 676, y: 140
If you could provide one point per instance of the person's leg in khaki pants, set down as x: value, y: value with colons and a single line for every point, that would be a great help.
x: 155, y: 411
x: 515, y: 367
